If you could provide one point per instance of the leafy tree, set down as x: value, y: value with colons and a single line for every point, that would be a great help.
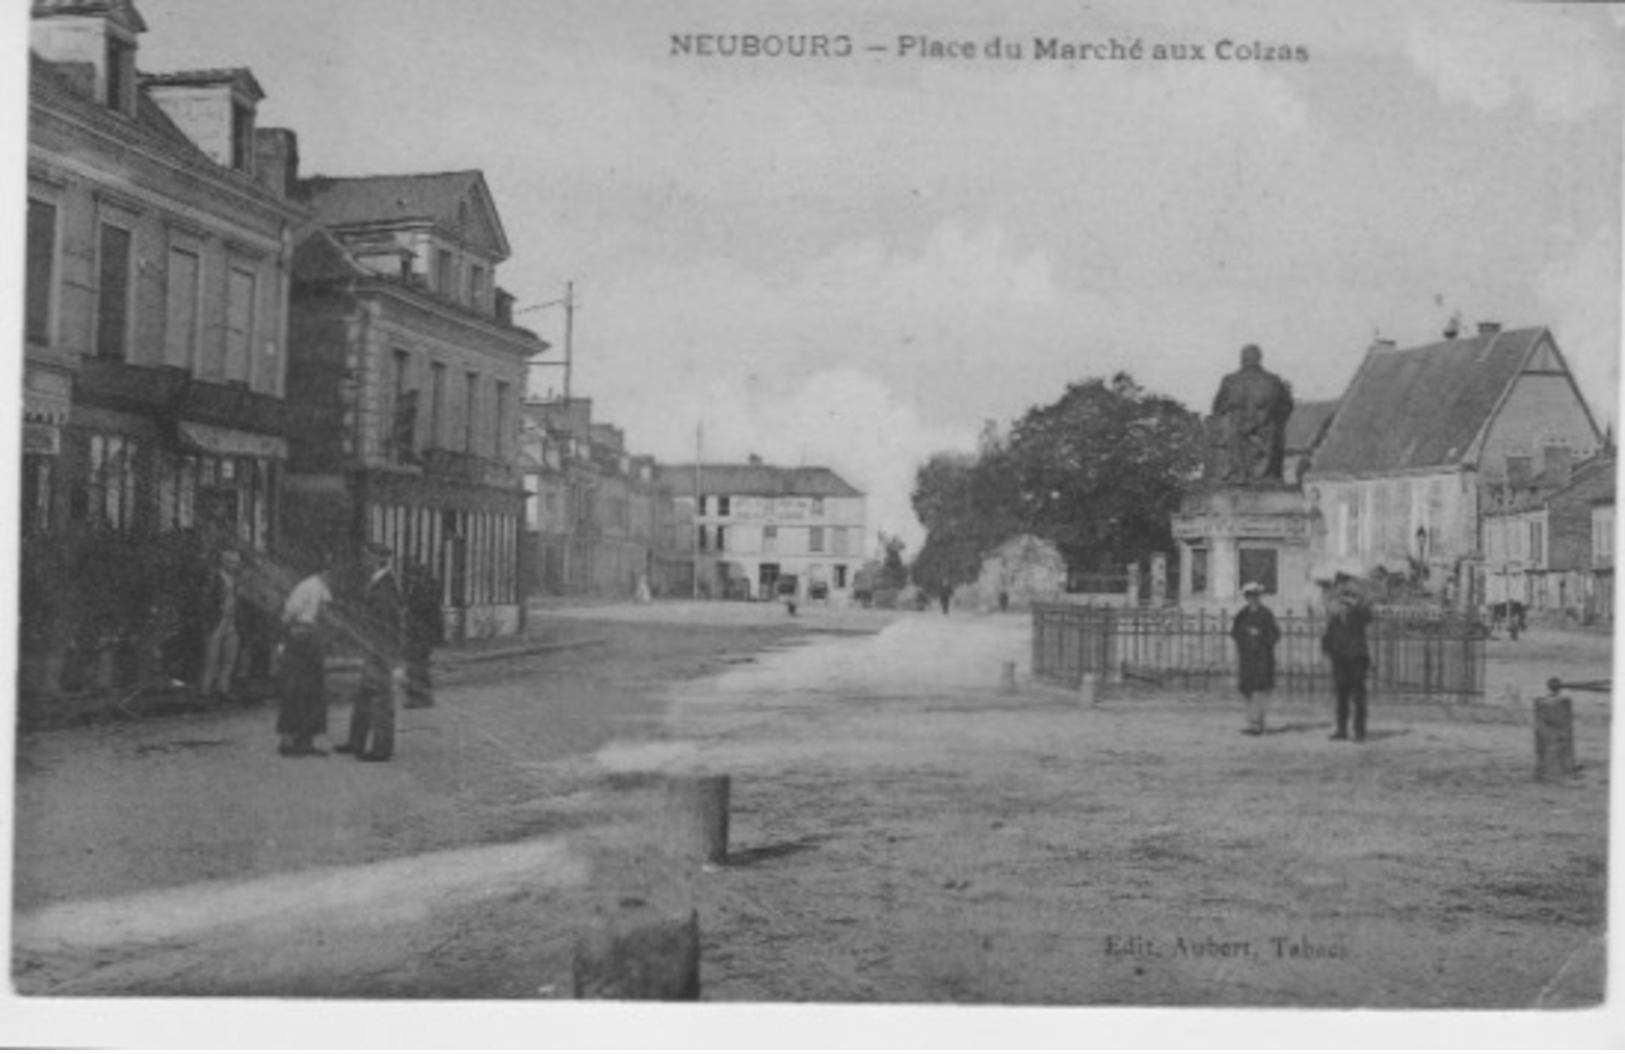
x: 1102, y: 470
x: 968, y: 504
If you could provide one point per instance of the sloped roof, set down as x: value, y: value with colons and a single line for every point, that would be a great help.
x: 77, y: 80
x: 757, y: 480
x: 1422, y: 407
x: 1307, y: 422
x: 433, y: 197
x: 239, y: 77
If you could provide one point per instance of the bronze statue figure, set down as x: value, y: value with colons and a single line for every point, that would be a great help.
x: 1250, y: 413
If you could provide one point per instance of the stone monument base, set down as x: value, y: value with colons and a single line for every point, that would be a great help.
x: 1232, y: 535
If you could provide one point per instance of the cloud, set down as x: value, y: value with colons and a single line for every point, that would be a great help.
x: 1558, y: 58
x: 1583, y: 291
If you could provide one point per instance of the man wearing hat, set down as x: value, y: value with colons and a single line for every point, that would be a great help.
x: 1344, y: 643
x: 380, y: 630
x: 1255, y: 633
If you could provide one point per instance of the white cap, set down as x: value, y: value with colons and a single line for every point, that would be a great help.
x: 1251, y: 588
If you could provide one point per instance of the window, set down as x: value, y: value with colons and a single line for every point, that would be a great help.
x: 239, y: 323
x: 818, y: 508
x: 770, y: 539
x: 704, y: 538
x: 815, y: 539
x: 437, y: 401
x: 41, y: 269
x: 476, y: 285
x: 404, y: 408
x: 840, y: 576
x: 444, y: 274
x: 500, y: 422
x: 120, y: 74
x: 1537, y: 544
x: 837, y: 540
x: 1199, y: 572
x: 36, y: 492
x: 181, y: 313
x: 242, y: 138
x: 724, y: 505
x: 109, y: 495
x: 722, y: 539
x: 113, y: 292
x: 471, y: 404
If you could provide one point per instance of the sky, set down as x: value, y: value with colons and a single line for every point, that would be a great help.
x: 857, y: 261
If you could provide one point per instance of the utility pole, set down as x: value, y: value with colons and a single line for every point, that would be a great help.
x: 699, y: 506
x: 569, y: 331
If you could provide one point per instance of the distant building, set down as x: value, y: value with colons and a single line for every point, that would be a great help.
x: 159, y: 238
x: 1304, y: 431
x: 1023, y: 569
x: 1541, y: 536
x: 591, y: 513
x: 408, y: 364
x: 1396, y: 481
x: 753, y: 531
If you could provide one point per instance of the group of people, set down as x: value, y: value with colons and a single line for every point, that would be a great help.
x: 1256, y: 633
x: 394, y: 625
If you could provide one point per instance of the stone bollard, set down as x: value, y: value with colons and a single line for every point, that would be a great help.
x: 696, y: 818
x: 1554, y: 734
x: 1089, y: 689
x: 1008, y: 681
x: 657, y: 959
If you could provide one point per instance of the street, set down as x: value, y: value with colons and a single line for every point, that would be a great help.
x: 903, y: 830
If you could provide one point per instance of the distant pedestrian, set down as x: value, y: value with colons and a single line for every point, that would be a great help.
x: 426, y: 630
x: 945, y: 595
x: 1344, y: 642
x: 1004, y: 601
x: 379, y: 627
x: 223, y: 607
x: 302, y: 691
x: 1255, y: 633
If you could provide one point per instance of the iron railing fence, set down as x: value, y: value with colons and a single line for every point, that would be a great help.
x: 1415, y: 652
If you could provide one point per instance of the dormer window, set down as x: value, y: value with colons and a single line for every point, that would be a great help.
x: 120, y: 75
x: 242, y: 137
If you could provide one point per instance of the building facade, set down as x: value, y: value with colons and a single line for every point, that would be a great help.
x: 409, y: 373
x: 1398, y: 480
x: 592, y: 505
x: 1541, y: 545
x: 159, y: 243
x: 756, y: 531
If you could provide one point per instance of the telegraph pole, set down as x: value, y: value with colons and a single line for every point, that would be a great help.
x: 699, y: 506
x: 569, y: 331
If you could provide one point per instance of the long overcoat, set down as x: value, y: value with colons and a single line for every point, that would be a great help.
x: 1255, y: 633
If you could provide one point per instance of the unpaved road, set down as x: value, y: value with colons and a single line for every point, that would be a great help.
x: 903, y: 831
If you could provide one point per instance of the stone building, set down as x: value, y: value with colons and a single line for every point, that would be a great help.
x: 410, y: 371
x: 159, y: 242
x: 753, y: 531
x: 592, y: 508
x: 1540, y: 535
x: 1397, y: 480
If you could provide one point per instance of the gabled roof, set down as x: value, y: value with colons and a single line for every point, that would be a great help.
x: 239, y: 77
x: 75, y: 80
x: 438, y: 198
x: 1308, y: 421
x: 1423, y: 407
x: 757, y: 481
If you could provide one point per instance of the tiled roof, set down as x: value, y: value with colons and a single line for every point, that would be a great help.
x: 433, y: 197
x: 757, y: 480
x: 239, y: 76
x: 1307, y: 422
x: 1422, y: 407
x: 77, y: 79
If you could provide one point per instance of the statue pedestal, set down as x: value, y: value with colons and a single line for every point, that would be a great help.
x: 1232, y: 535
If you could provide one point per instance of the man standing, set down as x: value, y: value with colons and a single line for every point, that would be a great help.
x: 1344, y: 642
x: 380, y: 629
x: 302, y: 693
x: 223, y: 641
x: 1255, y: 633
x: 426, y: 629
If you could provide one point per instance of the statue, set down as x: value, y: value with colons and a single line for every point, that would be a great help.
x: 1250, y: 413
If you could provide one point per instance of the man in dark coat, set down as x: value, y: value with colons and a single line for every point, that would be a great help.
x: 379, y: 628
x: 1344, y: 643
x: 426, y: 629
x: 1255, y: 633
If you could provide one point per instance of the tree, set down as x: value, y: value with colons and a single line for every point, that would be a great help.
x: 1102, y: 470
x: 968, y: 504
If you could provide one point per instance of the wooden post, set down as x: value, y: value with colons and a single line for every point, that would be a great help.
x: 649, y: 959
x: 1554, y: 734
x: 696, y: 818
x: 1008, y: 682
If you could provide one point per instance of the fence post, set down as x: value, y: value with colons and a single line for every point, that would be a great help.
x: 1554, y: 734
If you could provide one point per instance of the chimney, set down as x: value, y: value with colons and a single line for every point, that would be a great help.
x: 1557, y: 463
x: 756, y: 459
x: 504, y: 307
x: 98, y: 40
x: 1518, y: 470
x: 1486, y: 329
x: 276, y: 160
x: 1452, y: 328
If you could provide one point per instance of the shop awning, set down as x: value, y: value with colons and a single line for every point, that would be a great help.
x: 228, y: 442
